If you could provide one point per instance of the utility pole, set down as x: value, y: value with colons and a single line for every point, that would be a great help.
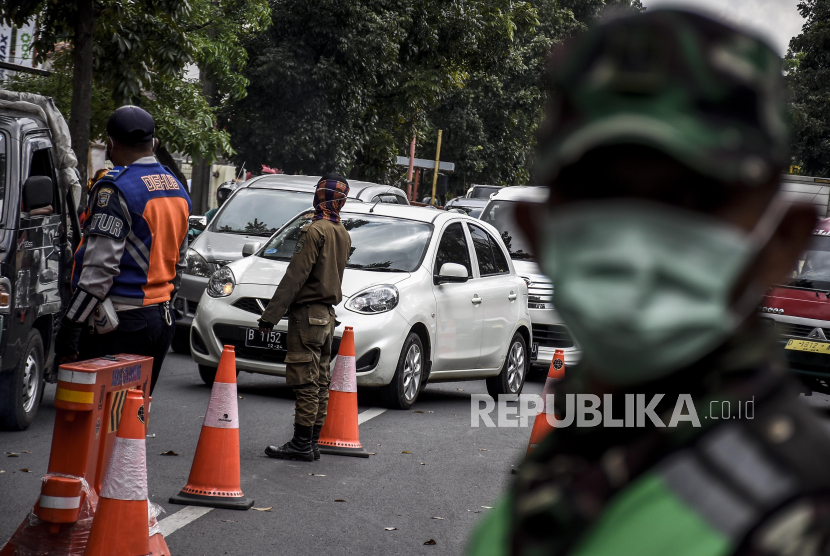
x: 411, y: 165
x: 437, y: 160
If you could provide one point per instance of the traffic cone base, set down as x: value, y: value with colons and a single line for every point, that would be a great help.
x: 357, y: 452
x: 214, y: 479
x: 208, y: 501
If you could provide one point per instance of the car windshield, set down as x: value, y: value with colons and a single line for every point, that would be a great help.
x: 483, y: 192
x: 814, y: 267
x: 260, y: 212
x: 379, y: 243
x: 502, y: 216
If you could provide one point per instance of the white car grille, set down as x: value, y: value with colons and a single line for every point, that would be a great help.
x: 540, y: 295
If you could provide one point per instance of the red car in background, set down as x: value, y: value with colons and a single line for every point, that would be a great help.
x: 801, y: 312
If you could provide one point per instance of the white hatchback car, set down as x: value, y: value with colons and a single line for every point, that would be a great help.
x: 431, y: 295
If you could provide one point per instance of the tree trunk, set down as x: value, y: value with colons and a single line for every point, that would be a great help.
x: 200, y: 177
x: 200, y: 186
x: 81, y: 111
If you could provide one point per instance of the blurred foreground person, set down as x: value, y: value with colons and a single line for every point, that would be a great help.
x: 662, y: 149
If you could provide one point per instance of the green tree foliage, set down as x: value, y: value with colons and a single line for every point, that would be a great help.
x: 141, y: 49
x: 59, y: 87
x: 343, y: 85
x: 808, y: 62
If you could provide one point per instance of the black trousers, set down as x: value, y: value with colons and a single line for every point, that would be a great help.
x: 140, y: 332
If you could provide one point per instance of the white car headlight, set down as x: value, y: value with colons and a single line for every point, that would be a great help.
x: 197, y: 265
x: 222, y: 282
x: 377, y: 299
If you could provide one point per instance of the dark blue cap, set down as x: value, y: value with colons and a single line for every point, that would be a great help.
x: 131, y: 124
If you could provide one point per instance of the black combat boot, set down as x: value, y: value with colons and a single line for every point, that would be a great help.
x: 315, y: 437
x: 298, y: 448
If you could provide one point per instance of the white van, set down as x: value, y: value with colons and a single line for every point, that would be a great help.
x: 549, y: 333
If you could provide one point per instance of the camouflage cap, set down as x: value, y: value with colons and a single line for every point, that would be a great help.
x: 706, y: 94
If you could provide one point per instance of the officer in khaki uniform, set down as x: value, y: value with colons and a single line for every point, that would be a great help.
x: 308, y: 291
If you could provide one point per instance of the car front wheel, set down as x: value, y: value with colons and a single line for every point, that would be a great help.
x: 402, y: 392
x: 22, y: 388
x: 513, y: 373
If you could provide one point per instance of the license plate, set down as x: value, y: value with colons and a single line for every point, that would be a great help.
x: 534, y: 351
x: 813, y: 347
x: 265, y: 340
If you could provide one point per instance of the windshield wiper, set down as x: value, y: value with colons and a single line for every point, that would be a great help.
x: 373, y: 268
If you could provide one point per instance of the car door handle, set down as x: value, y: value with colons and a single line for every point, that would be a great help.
x: 512, y: 296
x: 476, y: 299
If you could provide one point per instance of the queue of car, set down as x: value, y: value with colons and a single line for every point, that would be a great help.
x: 432, y: 295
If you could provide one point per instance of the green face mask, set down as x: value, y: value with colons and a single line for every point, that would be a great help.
x: 646, y: 288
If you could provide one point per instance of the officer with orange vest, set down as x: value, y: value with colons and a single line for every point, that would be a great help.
x: 128, y: 266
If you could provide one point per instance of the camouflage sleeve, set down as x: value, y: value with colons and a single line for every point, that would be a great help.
x: 302, y: 261
x: 105, y: 244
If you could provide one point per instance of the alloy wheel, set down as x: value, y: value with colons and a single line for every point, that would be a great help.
x: 412, y: 372
x: 31, y: 378
x: 515, y: 366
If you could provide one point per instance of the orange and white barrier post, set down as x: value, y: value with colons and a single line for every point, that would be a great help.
x: 214, y: 479
x: 121, y: 524
x: 541, y: 426
x: 340, y: 435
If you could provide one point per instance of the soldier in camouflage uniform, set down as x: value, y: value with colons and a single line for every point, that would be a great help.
x: 662, y: 150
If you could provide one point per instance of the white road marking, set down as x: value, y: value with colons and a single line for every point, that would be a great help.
x: 188, y: 514
x: 370, y: 413
x: 176, y: 521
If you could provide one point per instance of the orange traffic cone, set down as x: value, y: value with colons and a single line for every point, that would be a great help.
x: 214, y: 476
x: 541, y: 427
x: 158, y: 546
x: 120, y: 524
x: 340, y: 434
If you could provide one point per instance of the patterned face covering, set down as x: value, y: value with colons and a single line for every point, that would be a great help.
x: 329, y: 199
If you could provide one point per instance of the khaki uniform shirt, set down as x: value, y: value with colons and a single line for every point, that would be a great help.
x: 315, y: 271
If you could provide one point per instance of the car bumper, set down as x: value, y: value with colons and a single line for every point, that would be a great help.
x: 806, y: 363
x: 378, y: 338
x: 549, y: 318
x: 187, y: 300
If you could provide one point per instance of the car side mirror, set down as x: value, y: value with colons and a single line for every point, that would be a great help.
x: 250, y: 248
x: 452, y: 272
x: 37, y: 193
x: 198, y: 223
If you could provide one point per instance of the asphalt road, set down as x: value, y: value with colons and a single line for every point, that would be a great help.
x: 454, y: 472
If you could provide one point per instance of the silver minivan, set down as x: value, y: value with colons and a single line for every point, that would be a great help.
x: 257, y: 209
x: 549, y: 332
